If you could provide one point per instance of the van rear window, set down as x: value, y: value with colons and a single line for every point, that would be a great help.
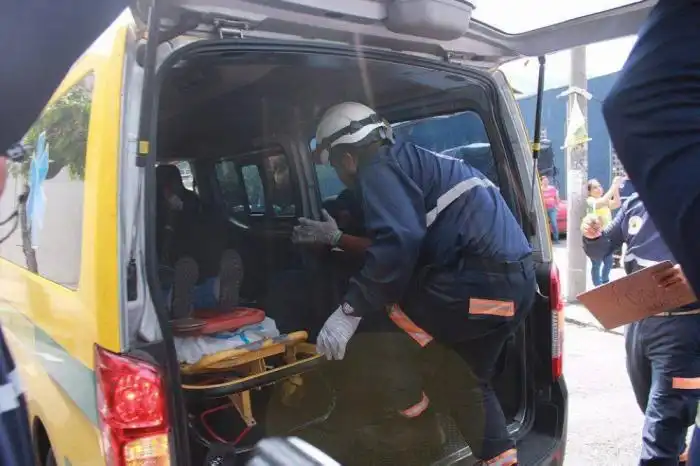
x: 461, y: 135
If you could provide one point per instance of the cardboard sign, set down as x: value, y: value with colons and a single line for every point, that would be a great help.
x: 634, y: 297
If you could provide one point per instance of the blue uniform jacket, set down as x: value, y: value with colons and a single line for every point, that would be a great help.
x: 653, y: 116
x: 421, y: 209
x: 631, y: 225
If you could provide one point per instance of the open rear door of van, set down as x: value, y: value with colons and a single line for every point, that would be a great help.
x: 486, y: 32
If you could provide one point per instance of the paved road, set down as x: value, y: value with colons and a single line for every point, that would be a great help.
x: 562, y: 260
x: 604, y: 420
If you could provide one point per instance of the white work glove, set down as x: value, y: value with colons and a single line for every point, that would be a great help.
x: 314, y: 232
x: 336, y: 333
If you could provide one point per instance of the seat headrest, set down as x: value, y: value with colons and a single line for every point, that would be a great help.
x: 168, y: 175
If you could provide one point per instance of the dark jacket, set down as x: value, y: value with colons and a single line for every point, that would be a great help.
x: 426, y: 209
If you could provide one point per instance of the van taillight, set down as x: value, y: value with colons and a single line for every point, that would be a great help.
x: 557, y: 306
x: 132, y: 408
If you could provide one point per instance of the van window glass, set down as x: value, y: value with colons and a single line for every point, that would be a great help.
x: 254, y: 189
x: 280, y: 185
x: 461, y: 135
x: 231, y: 188
x: 48, y: 239
x: 187, y: 175
x: 328, y: 182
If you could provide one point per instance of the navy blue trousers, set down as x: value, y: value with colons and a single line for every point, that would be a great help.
x: 663, y: 362
x: 459, y: 365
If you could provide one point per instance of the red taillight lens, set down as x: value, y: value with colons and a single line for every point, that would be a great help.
x: 131, y: 402
x: 557, y: 305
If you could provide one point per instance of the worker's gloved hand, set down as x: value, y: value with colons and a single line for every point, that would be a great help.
x: 314, y: 232
x: 336, y: 333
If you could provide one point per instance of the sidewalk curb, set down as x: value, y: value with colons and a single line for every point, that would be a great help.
x: 598, y: 327
x: 585, y: 319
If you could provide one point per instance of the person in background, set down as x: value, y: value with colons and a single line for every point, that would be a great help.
x: 551, y: 202
x: 602, y: 204
x: 662, y: 350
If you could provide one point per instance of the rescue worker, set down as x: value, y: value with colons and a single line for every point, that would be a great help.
x: 662, y: 350
x: 381, y: 401
x: 653, y: 115
x: 447, y: 247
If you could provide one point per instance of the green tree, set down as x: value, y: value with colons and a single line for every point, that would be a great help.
x: 66, y: 122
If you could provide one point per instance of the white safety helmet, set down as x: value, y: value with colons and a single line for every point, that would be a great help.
x: 347, y: 123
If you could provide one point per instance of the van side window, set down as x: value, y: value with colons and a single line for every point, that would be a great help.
x: 254, y: 189
x: 328, y: 182
x: 242, y: 189
x: 263, y: 186
x: 187, y: 175
x: 280, y: 186
x: 48, y: 238
x: 461, y: 135
x: 231, y: 188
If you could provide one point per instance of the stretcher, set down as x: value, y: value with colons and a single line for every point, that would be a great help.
x: 233, y: 374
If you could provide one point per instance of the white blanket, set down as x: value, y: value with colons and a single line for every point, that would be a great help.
x: 192, y: 349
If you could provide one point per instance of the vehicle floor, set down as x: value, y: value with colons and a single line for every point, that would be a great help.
x: 309, y: 416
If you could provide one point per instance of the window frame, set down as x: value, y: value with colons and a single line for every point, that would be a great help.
x: 257, y: 159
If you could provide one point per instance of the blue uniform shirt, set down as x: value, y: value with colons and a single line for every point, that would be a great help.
x: 631, y: 225
x: 423, y: 208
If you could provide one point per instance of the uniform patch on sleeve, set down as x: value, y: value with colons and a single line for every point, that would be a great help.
x: 634, y: 224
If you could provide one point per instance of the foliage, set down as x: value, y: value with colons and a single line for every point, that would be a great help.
x: 66, y: 122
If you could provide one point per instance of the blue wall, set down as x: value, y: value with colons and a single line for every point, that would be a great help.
x: 554, y: 121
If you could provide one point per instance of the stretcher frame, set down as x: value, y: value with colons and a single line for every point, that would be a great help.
x: 248, y: 369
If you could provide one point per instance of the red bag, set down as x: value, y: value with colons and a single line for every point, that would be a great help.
x: 217, y: 321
